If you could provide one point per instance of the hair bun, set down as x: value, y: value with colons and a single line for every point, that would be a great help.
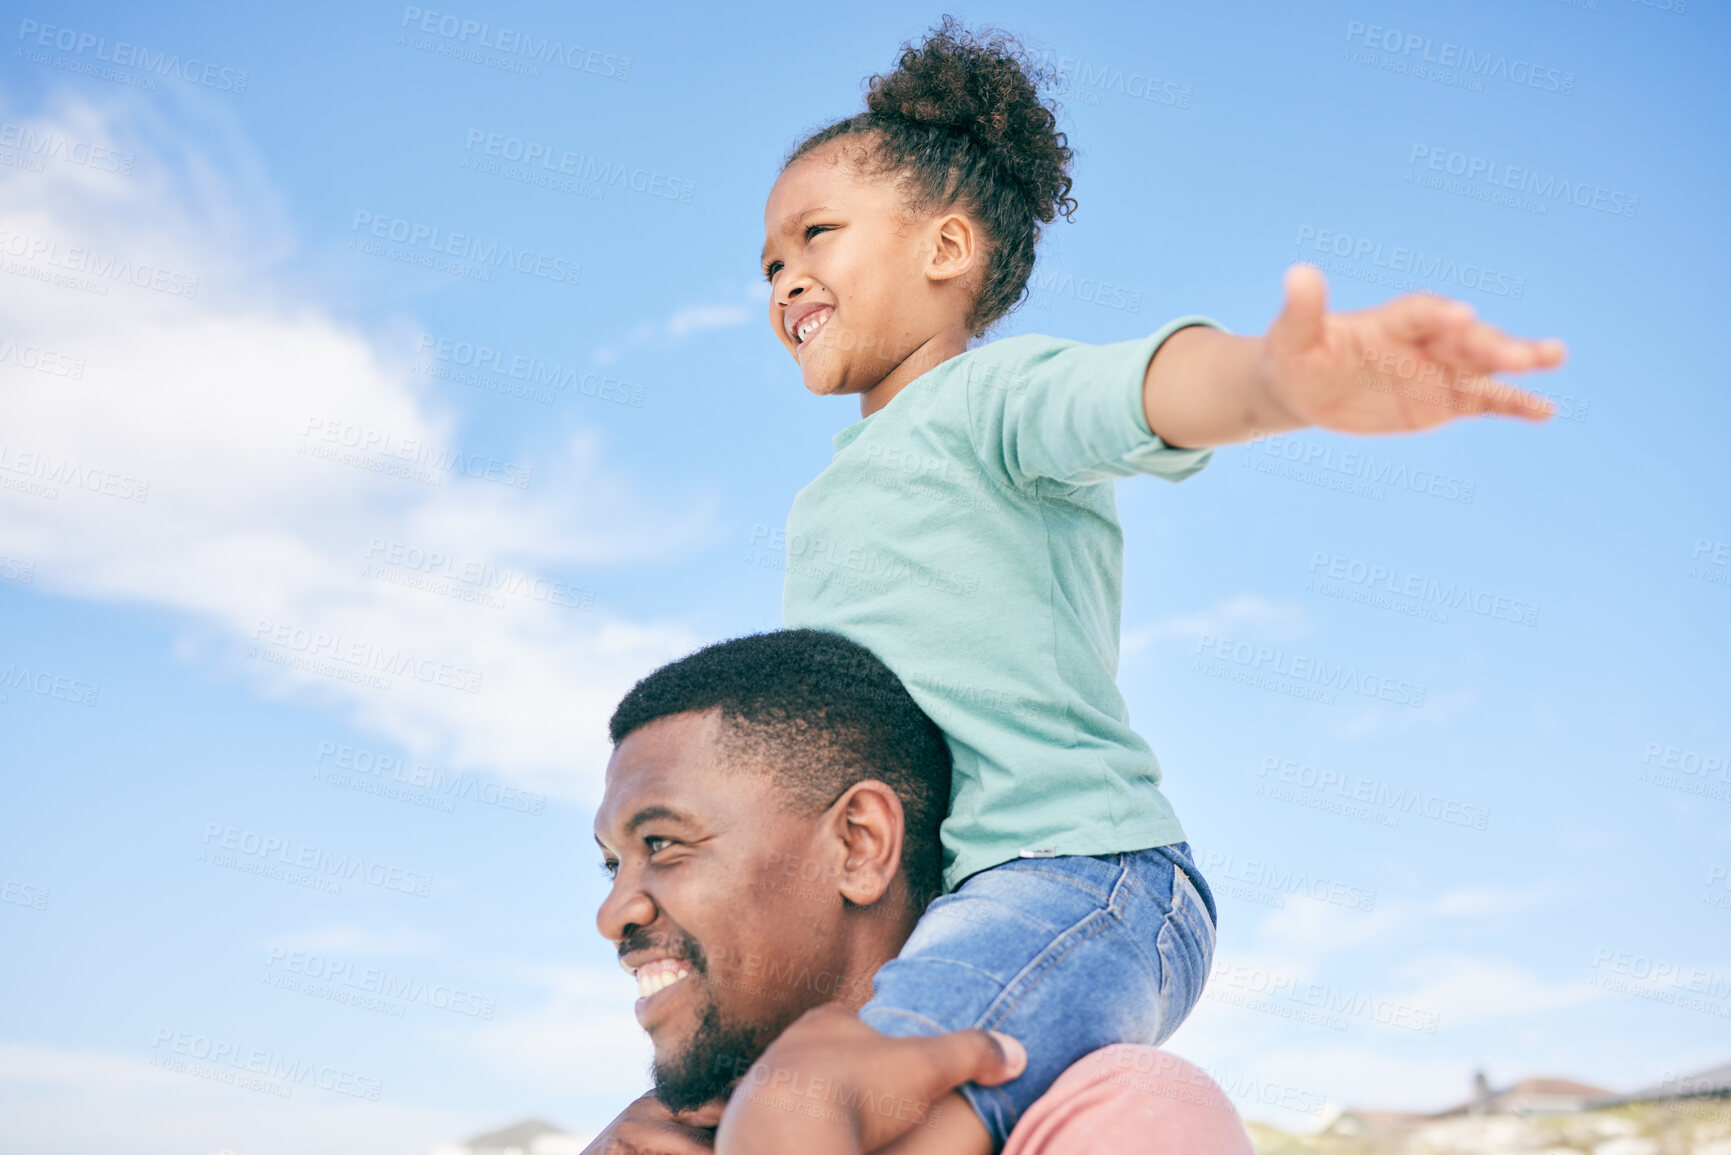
x: 960, y: 122
x: 988, y: 88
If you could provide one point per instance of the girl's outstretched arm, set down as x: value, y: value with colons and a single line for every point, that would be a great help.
x: 1411, y: 364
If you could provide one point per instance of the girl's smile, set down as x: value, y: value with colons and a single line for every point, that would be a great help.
x: 864, y: 295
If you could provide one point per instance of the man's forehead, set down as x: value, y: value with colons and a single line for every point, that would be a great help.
x: 670, y: 763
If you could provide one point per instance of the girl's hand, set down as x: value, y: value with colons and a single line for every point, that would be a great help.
x: 1413, y: 363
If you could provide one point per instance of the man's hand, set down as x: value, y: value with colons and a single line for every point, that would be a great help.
x: 1411, y: 364
x: 830, y: 1083
x: 648, y: 1128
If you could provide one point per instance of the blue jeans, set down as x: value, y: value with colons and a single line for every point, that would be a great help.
x: 1066, y: 955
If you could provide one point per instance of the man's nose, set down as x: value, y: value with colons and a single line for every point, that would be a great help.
x: 625, y: 907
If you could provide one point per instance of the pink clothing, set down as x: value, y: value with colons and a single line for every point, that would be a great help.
x: 1128, y: 1099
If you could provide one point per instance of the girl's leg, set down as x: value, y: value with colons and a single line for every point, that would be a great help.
x: 1067, y: 955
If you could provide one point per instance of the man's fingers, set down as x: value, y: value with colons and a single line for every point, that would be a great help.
x: 707, y: 1115
x: 1013, y: 1056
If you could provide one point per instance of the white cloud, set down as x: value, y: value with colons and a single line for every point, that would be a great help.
x: 47, y: 1093
x: 349, y: 939
x: 1241, y: 615
x: 1485, y: 901
x: 582, y: 1036
x: 1464, y: 988
x: 206, y: 397
x: 699, y: 318
x: 1440, y: 709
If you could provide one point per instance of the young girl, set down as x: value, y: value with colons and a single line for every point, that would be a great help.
x: 965, y: 534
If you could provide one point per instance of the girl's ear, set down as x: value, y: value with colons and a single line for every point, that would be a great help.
x: 955, y: 247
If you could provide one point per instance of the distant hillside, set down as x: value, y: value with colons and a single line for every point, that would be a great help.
x: 1688, y: 1127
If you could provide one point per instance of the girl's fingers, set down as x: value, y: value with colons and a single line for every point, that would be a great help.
x: 1471, y: 394
x: 1306, y: 307
x: 1513, y: 401
x: 1478, y: 348
x: 1418, y: 317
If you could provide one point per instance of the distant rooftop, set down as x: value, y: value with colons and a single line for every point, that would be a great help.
x: 1539, y: 1095
x: 529, y: 1137
x: 1716, y: 1082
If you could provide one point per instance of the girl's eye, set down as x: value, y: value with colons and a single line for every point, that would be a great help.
x: 771, y: 270
x: 813, y: 230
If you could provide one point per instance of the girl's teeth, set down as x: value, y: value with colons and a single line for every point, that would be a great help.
x: 810, y: 327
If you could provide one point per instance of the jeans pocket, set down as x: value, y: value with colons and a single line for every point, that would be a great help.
x: 1186, y: 948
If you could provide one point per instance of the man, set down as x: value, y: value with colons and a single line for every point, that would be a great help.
x: 770, y: 822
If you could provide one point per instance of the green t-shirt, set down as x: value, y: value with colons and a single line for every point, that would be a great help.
x: 962, y: 534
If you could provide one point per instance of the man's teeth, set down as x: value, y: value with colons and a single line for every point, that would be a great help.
x: 659, y: 975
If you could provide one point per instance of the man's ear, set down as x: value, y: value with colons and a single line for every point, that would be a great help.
x: 867, y: 824
x: 955, y: 250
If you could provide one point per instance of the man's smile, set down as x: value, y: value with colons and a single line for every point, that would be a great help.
x: 656, y: 980
x: 660, y: 974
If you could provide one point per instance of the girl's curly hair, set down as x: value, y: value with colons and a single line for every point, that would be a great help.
x: 960, y: 122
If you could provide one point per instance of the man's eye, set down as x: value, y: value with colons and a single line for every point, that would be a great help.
x: 655, y: 838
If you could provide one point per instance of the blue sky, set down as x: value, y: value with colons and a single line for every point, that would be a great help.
x: 263, y: 398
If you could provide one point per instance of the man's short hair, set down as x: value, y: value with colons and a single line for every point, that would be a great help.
x: 818, y: 713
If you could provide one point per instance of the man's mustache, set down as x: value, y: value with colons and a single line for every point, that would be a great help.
x: 680, y: 946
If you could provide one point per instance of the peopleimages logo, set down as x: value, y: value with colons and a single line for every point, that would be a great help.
x: 65, y: 471
x: 258, y: 1070
x: 437, y: 460
x: 1303, y: 672
x: 564, y: 162
x: 48, y: 684
x: 1354, y: 472
x: 98, y: 266
x: 323, y: 865
x: 1412, y: 261
x: 1424, y: 590
x: 58, y: 146
x: 137, y: 56
x: 1494, y: 175
x: 514, y: 42
x: 437, y: 241
x: 1479, y: 65
x: 1396, y: 800
x: 319, y: 649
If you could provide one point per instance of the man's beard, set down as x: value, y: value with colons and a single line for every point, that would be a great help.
x: 718, y: 1055
x: 720, y: 1051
